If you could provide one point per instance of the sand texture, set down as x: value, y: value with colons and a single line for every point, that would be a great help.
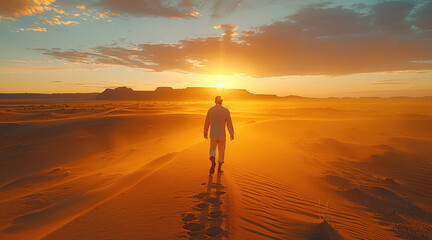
x: 297, y: 169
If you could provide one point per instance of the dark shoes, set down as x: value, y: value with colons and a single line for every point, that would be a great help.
x: 212, y: 168
x: 220, y: 167
x: 212, y: 159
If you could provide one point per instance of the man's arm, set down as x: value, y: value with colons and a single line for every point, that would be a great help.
x: 207, y: 124
x: 230, y: 125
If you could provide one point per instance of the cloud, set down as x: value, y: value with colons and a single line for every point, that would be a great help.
x: 230, y: 31
x: 316, y: 40
x: 170, y: 9
x: 195, y: 14
x: 81, y: 7
x: 55, y: 20
x: 57, y: 10
x: 424, y: 17
x: 16, y: 8
x: 390, y: 82
x: 392, y: 16
x: 59, y: 22
x: 222, y: 8
x: 69, y: 22
x: 107, y: 14
x: 329, y: 21
x: 47, y: 22
x: 149, y: 8
x: 37, y: 29
x: 23, y: 61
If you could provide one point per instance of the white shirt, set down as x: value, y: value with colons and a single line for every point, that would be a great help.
x: 217, y: 116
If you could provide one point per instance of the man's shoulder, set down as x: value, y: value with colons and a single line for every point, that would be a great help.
x: 218, y: 108
x: 224, y: 109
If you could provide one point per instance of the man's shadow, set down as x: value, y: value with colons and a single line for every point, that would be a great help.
x: 208, y: 221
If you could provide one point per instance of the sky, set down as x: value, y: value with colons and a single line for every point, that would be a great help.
x: 284, y: 47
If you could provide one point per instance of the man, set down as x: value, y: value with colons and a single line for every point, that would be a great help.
x: 217, y: 118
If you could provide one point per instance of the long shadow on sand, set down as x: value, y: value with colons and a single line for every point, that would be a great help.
x: 205, y: 220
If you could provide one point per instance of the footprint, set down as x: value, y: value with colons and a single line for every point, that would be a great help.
x: 205, y: 219
x: 189, y: 217
x: 215, y: 214
x: 211, y: 200
x: 200, y: 195
x: 202, y: 205
x: 193, y: 226
x: 213, y: 231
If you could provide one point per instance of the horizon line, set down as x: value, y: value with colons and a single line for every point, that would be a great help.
x: 216, y: 88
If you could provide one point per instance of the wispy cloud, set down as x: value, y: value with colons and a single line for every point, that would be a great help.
x: 411, y: 80
x: 16, y: 8
x: 23, y: 61
x: 56, y: 21
x: 69, y: 22
x: 57, y: 10
x: 107, y: 14
x: 222, y: 7
x: 181, y: 9
x: 151, y: 8
x: 47, y: 22
x: 34, y: 28
x: 390, y: 82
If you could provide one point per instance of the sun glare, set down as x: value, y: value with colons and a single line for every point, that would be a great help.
x: 220, y: 85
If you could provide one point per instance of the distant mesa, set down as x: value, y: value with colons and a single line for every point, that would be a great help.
x: 195, y: 94
x: 120, y: 93
x: 184, y: 94
x: 49, y: 96
x: 160, y: 94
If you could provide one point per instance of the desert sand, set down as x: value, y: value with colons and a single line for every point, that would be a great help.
x: 297, y: 169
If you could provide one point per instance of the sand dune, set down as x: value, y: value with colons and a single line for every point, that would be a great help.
x: 309, y: 169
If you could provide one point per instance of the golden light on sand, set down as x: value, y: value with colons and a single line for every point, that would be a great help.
x: 114, y: 136
x: 220, y: 85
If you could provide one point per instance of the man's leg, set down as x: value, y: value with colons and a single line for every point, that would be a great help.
x: 221, y: 148
x: 213, y: 144
x: 221, y: 152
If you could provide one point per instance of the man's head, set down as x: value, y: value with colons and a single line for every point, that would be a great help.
x: 218, y: 100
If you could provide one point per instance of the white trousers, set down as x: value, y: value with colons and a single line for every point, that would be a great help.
x: 220, y: 144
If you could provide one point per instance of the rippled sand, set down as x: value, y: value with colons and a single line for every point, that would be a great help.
x: 307, y: 169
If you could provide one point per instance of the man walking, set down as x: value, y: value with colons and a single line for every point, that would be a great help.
x: 217, y: 117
